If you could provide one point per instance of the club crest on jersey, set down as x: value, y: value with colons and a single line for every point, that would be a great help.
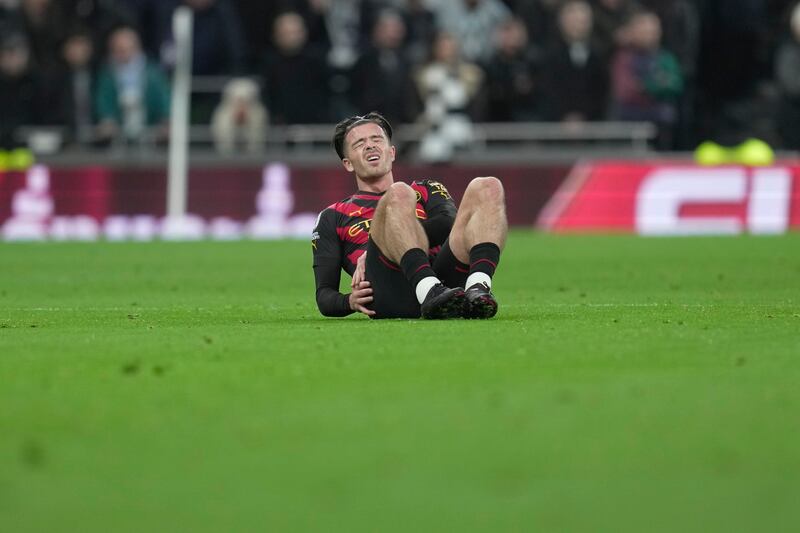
x: 438, y: 188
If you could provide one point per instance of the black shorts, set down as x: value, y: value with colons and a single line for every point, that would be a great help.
x: 393, y: 296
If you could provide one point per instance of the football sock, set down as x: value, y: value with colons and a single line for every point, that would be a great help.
x: 483, y: 259
x: 478, y: 277
x: 417, y: 268
x: 424, y: 286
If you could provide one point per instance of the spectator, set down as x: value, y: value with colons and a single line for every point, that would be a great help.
x: 511, y: 76
x: 145, y: 14
x: 100, y: 17
x: 787, y: 75
x: 681, y: 23
x: 730, y: 68
x: 610, y: 19
x: 254, y: 17
x: 575, y: 70
x: 295, y: 75
x: 240, y: 120
x: 646, y: 79
x: 336, y: 26
x: 420, y: 28
x: 382, y: 76
x: 43, y: 21
x: 20, y: 89
x: 73, y: 87
x: 539, y: 17
x: 340, y: 28
x: 450, y: 89
x: 217, y: 46
x: 132, y: 93
x: 472, y: 23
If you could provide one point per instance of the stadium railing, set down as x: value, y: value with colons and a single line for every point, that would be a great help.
x: 492, y: 141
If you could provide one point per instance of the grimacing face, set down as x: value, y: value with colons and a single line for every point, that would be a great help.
x: 368, y: 152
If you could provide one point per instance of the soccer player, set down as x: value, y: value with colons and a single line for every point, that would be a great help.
x: 409, y: 251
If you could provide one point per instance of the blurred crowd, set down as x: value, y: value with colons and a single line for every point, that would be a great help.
x: 698, y: 69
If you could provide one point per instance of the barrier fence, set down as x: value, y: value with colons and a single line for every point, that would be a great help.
x: 277, y: 200
x: 273, y: 201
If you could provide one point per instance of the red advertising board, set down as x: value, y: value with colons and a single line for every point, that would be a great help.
x: 92, y: 202
x: 667, y: 198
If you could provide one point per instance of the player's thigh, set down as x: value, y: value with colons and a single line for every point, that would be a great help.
x: 392, y: 294
x: 448, y: 268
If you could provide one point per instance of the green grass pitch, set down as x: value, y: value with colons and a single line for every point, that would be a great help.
x: 627, y: 384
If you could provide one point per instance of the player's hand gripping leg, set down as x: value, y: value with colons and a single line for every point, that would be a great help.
x: 360, y: 297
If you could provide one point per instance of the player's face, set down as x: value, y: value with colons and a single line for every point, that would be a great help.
x: 368, y: 152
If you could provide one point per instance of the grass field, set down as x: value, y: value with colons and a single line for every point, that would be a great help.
x: 626, y: 384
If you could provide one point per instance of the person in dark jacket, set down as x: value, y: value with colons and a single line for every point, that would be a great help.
x: 44, y: 23
x: 99, y: 18
x: 575, y: 71
x: 71, y: 86
x: 512, y: 77
x: 20, y: 89
x: 296, y: 87
x: 382, y: 76
x: 217, y: 45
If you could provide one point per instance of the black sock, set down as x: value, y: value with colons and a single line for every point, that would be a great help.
x: 416, y: 266
x: 484, y: 257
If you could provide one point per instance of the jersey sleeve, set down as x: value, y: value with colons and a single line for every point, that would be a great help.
x: 327, y: 261
x: 439, y: 208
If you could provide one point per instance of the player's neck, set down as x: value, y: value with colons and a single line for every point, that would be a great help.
x: 379, y: 185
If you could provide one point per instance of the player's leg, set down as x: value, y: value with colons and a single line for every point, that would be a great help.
x: 477, y: 238
x: 392, y: 295
x: 394, y: 226
x: 400, y: 237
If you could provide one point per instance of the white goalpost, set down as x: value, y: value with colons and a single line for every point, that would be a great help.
x: 177, y: 224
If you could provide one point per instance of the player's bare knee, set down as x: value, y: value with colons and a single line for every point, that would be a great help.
x: 399, y: 196
x: 489, y: 189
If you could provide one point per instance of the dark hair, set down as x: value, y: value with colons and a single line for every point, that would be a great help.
x: 124, y: 26
x: 344, y: 127
x: 77, y: 30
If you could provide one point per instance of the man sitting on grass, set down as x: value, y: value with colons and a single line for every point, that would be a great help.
x: 409, y: 251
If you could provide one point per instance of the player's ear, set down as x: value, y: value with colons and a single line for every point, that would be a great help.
x: 392, y: 151
x: 347, y: 165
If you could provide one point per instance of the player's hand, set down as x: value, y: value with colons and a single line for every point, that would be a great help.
x: 360, y: 274
x: 361, y: 296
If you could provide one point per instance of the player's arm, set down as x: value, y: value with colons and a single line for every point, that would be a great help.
x: 440, y: 209
x: 329, y: 300
x: 327, y: 253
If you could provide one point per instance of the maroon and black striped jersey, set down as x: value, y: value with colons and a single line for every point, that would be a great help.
x: 342, y: 231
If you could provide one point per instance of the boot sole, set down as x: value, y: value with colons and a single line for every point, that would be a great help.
x: 484, y: 306
x: 450, y: 308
